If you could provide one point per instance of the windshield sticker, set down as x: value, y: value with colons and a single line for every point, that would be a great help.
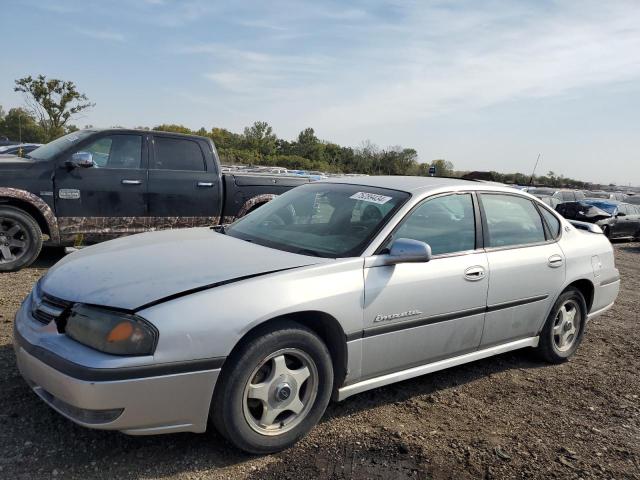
x: 371, y: 197
x: 72, y: 138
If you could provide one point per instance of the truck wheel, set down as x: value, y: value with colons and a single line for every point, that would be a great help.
x: 20, y: 239
x: 273, y: 389
x: 564, y: 329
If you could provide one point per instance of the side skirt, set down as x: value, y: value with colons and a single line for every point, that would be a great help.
x: 346, y: 392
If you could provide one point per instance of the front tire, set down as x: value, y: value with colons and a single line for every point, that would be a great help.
x: 564, y: 329
x: 20, y: 239
x: 273, y: 389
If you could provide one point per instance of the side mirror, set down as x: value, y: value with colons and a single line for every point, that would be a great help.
x: 405, y: 250
x: 81, y: 159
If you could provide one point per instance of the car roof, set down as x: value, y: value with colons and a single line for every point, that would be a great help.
x: 417, y: 184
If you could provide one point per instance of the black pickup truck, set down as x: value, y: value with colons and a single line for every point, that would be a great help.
x: 94, y: 185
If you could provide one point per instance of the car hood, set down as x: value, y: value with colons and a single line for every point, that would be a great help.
x: 132, y: 272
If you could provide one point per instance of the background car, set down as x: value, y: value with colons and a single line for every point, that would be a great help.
x: 618, y: 196
x: 21, y: 149
x: 618, y: 220
x: 553, y: 202
x: 564, y: 195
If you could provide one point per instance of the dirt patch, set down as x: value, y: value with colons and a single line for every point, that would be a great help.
x: 505, y: 417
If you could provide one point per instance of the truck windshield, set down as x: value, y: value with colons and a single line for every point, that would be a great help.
x: 321, y: 219
x: 50, y: 150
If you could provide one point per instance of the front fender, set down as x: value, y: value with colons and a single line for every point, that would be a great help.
x: 210, y: 323
x: 39, y: 204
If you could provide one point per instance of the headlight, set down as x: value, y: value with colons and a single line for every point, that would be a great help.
x: 111, y: 331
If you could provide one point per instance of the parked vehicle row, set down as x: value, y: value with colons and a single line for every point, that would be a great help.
x: 331, y: 289
x: 20, y: 149
x: 95, y: 185
x: 618, y: 220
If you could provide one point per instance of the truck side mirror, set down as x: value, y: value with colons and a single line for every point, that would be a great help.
x: 406, y: 250
x: 80, y: 159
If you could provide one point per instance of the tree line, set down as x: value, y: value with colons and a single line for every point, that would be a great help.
x: 50, y: 105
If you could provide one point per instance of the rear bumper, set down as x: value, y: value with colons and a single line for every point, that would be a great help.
x: 169, y: 403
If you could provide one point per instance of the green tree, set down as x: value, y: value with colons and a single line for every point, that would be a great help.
x: 444, y: 168
x: 52, y: 102
x: 260, y: 137
x: 19, y: 125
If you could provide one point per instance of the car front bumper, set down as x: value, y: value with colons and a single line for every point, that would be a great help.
x: 148, y: 405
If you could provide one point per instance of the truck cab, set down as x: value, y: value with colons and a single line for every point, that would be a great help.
x: 95, y: 185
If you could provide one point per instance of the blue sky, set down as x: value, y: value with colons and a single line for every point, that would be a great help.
x: 484, y: 84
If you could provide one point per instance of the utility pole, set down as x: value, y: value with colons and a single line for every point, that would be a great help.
x: 534, y: 169
x: 19, y: 127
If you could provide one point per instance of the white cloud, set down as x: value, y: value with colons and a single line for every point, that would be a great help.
x: 102, y: 34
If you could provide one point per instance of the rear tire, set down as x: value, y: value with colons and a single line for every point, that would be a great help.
x: 564, y: 329
x: 273, y: 389
x: 20, y: 239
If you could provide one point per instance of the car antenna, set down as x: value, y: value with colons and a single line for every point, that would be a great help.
x: 534, y: 169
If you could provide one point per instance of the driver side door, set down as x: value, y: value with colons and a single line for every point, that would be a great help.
x: 108, y: 199
x: 417, y: 313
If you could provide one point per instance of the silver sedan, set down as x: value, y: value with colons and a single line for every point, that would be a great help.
x: 331, y: 289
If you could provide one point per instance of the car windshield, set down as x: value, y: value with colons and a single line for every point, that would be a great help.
x: 50, y: 150
x: 608, y: 207
x: 324, y: 220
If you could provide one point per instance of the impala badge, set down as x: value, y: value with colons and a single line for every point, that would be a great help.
x: 393, y: 316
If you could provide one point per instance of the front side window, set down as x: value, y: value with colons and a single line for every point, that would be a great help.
x: 177, y: 154
x: 325, y: 220
x: 116, y: 151
x: 511, y: 221
x: 446, y: 223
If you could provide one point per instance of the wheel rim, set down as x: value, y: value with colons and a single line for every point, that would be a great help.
x: 567, y: 326
x: 13, y: 240
x: 280, y: 392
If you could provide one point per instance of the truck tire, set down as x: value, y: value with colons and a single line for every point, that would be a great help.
x: 564, y: 329
x: 20, y: 239
x: 273, y: 389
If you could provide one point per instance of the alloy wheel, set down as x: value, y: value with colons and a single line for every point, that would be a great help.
x: 13, y: 240
x: 280, y: 392
x: 567, y: 326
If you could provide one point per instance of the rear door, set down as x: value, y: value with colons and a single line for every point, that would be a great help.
x: 627, y: 224
x: 526, y: 266
x: 416, y: 313
x: 108, y: 199
x: 184, y: 183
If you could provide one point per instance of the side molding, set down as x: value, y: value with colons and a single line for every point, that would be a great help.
x: 37, y: 202
x: 346, y: 392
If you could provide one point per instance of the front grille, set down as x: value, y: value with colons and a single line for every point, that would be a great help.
x: 46, y: 308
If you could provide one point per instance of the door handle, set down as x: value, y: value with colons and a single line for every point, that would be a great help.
x: 131, y: 182
x: 205, y: 184
x: 555, y: 261
x: 474, y: 274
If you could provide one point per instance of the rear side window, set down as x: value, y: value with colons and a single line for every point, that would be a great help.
x: 177, y: 154
x: 446, y: 223
x: 552, y: 222
x: 511, y: 221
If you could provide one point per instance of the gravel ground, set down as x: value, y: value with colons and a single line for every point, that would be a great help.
x: 505, y: 417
